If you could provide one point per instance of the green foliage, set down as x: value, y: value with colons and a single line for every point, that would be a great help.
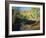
x: 35, y: 13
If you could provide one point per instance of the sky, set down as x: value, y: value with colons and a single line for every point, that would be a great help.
x: 22, y: 8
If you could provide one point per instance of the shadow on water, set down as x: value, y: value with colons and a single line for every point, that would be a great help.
x: 18, y: 22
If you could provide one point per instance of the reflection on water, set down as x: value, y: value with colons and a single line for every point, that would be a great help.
x: 23, y: 24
